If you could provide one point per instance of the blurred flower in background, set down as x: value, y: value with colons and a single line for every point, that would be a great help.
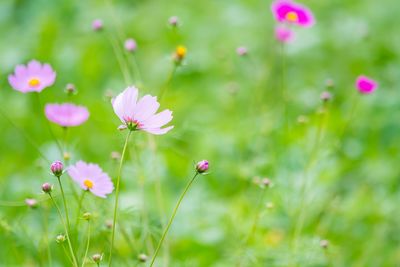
x: 67, y: 114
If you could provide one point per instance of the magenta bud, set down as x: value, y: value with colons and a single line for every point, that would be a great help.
x: 130, y: 45
x: 30, y: 202
x: 241, y: 51
x: 57, y: 168
x: 97, y: 25
x: 173, y: 21
x: 47, y: 188
x: 202, y: 166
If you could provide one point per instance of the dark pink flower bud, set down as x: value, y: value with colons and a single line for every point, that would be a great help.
x: 57, y: 168
x: 202, y: 166
x: 47, y: 188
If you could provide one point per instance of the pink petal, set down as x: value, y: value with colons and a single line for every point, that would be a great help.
x: 158, y: 120
x: 125, y: 103
x: 146, y: 107
x: 158, y: 131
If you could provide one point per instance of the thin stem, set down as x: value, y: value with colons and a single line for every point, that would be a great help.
x: 117, y: 195
x: 46, y: 233
x: 255, y: 223
x: 66, y: 254
x: 64, y: 201
x: 167, y: 82
x: 87, y: 244
x: 75, y: 263
x: 172, y: 219
x: 79, y: 208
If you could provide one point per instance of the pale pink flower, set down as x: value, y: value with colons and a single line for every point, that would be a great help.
x: 141, y: 114
x: 97, y: 25
x: 67, y: 114
x: 366, y: 85
x: 241, y: 51
x: 91, y: 177
x: 292, y: 12
x: 284, y: 34
x: 34, y: 77
x: 130, y: 45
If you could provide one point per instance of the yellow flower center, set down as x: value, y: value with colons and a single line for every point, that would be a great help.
x: 181, y: 51
x: 34, y: 82
x: 292, y: 16
x: 88, y: 184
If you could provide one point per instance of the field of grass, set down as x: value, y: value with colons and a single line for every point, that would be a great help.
x: 294, y: 180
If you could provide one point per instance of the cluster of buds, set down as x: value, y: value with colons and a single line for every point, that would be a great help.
x: 180, y: 54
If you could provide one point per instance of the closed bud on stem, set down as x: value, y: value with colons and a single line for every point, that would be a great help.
x: 70, y: 89
x: 142, y: 257
x: 202, y: 166
x: 87, y: 216
x: 60, y: 238
x: 97, y: 257
x: 57, y: 168
x: 47, y: 188
x: 173, y: 21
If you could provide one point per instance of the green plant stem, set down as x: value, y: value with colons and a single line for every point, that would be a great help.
x: 87, y: 244
x: 75, y: 263
x: 79, y: 208
x: 117, y: 195
x: 64, y: 201
x: 172, y: 219
x: 167, y: 82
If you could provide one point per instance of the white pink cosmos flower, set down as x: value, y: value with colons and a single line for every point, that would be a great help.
x: 141, y: 114
x: 291, y: 12
x: 366, y: 85
x: 91, y: 177
x: 34, y: 77
x: 67, y: 114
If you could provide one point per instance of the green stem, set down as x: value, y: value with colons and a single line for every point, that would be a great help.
x: 79, y: 208
x: 117, y: 195
x: 172, y: 219
x: 87, y: 245
x: 64, y: 201
x: 75, y: 263
x: 168, y: 81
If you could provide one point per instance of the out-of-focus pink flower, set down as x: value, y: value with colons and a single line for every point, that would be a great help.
x: 284, y: 34
x: 130, y: 45
x: 97, y: 25
x: 291, y: 12
x: 34, y: 77
x: 173, y: 21
x: 30, y: 202
x: 141, y: 114
x: 241, y: 50
x: 366, y: 85
x: 91, y: 177
x: 67, y: 114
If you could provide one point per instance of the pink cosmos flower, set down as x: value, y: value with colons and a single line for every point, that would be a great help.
x: 33, y: 77
x: 67, y: 114
x: 366, y: 85
x: 91, y: 177
x: 284, y: 34
x: 291, y: 12
x: 141, y: 114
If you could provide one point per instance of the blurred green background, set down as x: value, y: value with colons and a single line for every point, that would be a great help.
x: 334, y: 167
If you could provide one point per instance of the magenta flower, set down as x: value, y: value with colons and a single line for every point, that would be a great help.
x: 291, y: 12
x: 67, y: 114
x: 32, y: 78
x: 91, y: 177
x: 141, y: 114
x: 97, y: 25
x: 366, y: 85
x: 284, y: 34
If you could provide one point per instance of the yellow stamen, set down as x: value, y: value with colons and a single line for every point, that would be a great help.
x: 292, y: 16
x: 34, y: 82
x: 180, y: 51
x: 88, y: 184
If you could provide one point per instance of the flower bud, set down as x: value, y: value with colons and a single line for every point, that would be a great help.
x: 97, y: 257
x: 325, y: 96
x: 109, y: 224
x: 173, y: 21
x: 57, y: 168
x: 97, y: 25
x: 202, y: 166
x: 30, y: 202
x: 324, y: 243
x: 67, y: 156
x: 87, y: 216
x: 130, y: 45
x: 241, y: 51
x: 47, y: 188
x: 60, y: 238
x: 142, y: 257
x: 265, y: 182
x: 180, y: 54
x: 115, y: 155
x: 70, y: 89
